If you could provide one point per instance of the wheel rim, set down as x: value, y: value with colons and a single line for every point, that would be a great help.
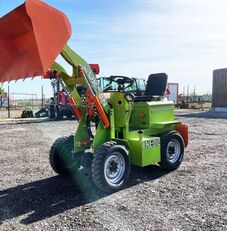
x: 173, y: 151
x: 114, y: 169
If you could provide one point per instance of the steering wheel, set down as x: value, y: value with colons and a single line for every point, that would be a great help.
x: 121, y: 80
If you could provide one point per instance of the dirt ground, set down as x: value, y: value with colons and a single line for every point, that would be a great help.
x: 193, y: 197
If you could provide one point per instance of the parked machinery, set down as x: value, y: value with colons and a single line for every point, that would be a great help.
x: 59, y: 106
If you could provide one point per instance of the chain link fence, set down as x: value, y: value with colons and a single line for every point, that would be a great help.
x: 12, y: 106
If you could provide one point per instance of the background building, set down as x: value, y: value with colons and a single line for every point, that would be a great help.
x: 219, y: 92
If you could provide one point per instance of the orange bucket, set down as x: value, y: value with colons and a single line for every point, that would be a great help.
x: 31, y: 37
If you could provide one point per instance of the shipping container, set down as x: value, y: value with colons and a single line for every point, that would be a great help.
x: 173, y: 90
x: 219, y: 92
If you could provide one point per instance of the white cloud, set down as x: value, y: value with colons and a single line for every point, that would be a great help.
x: 187, y: 39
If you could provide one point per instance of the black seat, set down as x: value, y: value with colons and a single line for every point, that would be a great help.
x: 156, y: 86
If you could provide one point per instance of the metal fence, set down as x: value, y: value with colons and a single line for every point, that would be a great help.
x: 12, y: 106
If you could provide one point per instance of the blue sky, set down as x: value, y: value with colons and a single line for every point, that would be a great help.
x: 185, y: 39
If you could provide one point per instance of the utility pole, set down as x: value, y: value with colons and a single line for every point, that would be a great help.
x: 8, y: 104
x: 194, y: 93
x: 187, y: 92
x: 42, y: 97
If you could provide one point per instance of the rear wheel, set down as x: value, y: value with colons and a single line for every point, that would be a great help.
x: 172, y: 151
x: 110, y: 167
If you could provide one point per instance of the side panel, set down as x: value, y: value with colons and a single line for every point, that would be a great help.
x: 147, y: 114
x: 145, y: 151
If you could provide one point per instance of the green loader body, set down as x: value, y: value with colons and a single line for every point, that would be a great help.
x: 138, y: 127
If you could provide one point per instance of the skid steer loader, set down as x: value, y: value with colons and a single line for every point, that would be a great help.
x: 129, y: 128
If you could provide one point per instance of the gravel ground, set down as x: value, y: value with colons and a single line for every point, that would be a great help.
x: 193, y: 197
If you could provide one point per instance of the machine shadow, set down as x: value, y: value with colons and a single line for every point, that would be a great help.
x: 45, y: 198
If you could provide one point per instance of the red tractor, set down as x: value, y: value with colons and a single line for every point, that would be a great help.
x: 59, y: 104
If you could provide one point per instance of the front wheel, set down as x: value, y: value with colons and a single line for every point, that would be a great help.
x: 62, y: 146
x: 172, y: 151
x: 110, y: 167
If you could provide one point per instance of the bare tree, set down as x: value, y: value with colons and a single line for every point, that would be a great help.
x: 1, y: 95
x: 1, y: 91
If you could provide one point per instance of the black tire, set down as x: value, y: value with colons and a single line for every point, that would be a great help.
x: 109, y: 159
x: 51, y: 112
x: 172, y: 151
x: 59, y: 115
x: 62, y: 144
x: 69, y: 116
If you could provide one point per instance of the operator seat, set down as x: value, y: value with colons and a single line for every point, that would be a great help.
x: 156, y: 86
